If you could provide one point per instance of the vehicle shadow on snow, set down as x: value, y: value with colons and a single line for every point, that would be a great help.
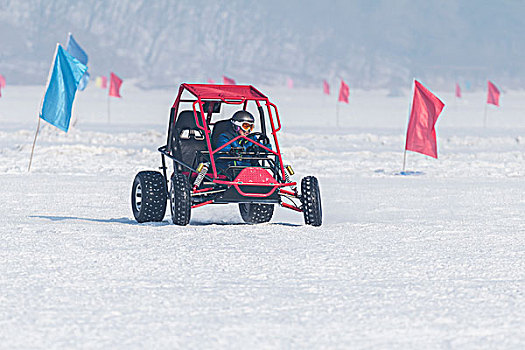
x: 209, y: 223
x: 161, y: 223
x: 114, y: 220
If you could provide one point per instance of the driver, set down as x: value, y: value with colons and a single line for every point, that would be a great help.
x: 242, y: 123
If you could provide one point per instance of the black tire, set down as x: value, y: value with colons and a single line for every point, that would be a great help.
x: 148, y: 196
x: 180, y: 199
x: 311, y: 200
x: 253, y: 213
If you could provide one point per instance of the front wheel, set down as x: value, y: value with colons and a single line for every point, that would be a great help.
x: 311, y: 200
x: 180, y: 199
x: 253, y: 213
x: 148, y: 196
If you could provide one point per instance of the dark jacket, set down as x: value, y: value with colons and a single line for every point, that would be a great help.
x: 224, y: 138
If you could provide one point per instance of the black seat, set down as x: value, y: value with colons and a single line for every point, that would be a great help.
x: 188, y: 139
x: 219, y: 128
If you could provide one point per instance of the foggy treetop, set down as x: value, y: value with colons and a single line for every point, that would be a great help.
x: 371, y: 44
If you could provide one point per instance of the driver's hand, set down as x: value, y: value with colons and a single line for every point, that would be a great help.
x: 267, y: 145
x: 235, y: 151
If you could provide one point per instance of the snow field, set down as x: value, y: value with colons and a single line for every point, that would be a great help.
x: 431, y: 260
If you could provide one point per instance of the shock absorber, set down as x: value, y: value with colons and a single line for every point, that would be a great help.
x: 288, y: 172
x: 203, y: 170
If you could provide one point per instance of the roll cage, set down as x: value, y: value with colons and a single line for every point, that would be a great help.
x: 229, y: 94
x: 241, y: 183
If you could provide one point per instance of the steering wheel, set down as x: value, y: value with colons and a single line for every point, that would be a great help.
x: 259, y: 137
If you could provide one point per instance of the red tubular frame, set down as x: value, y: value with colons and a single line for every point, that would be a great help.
x: 201, y: 204
x: 288, y: 192
x: 202, y: 190
x: 260, y: 195
x: 255, y: 95
x: 289, y: 206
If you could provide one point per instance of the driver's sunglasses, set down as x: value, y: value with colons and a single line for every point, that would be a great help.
x: 247, y: 126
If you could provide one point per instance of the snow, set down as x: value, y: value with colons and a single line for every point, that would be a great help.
x: 431, y: 260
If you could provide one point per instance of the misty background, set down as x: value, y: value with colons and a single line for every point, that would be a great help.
x: 370, y: 44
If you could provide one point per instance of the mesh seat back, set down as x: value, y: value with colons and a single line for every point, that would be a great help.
x: 188, y: 138
x: 219, y: 128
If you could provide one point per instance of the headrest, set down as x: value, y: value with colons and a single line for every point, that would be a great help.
x: 186, y: 120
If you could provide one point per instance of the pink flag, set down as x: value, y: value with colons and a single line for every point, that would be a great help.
x: 458, y: 91
x: 344, y: 92
x: 326, y: 87
x: 493, y: 94
x: 2, y: 81
x: 289, y: 83
x: 421, y: 135
x: 227, y: 81
x: 211, y: 81
x: 114, y: 85
x: 104, y: 84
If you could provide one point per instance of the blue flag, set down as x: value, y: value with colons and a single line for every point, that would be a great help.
x: 75, y: 50
x: 84, y: 81
x: 61, y: 88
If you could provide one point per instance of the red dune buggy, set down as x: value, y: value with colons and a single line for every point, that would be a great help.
x: 199, y: 115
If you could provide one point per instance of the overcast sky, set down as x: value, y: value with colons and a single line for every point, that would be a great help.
x: 371, y: 43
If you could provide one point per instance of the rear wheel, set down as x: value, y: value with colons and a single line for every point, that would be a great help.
x: 253, y: 213
x: 148, y: 196
x: 311, y: 200
x: 180, y: 199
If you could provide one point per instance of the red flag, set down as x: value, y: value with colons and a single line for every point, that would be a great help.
x: 493, y: 94
x: 458, y: 91
x: 344, y: 92
x: 227, y: 81
x: 211, y: 81
x: 2, y: 81
x: 421, y: 135
x: 289, y: 83
x: 326, y: 87
x: 114, y: 85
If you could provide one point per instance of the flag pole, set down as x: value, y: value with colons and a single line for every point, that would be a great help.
x: 337, y: 114
x: 108, y: 110
x: 406, y: 135
x: 485, y: 117
x: 404, y: 158
x: 42, y: 102
x: 33, y: 148
x: 73, y: 114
